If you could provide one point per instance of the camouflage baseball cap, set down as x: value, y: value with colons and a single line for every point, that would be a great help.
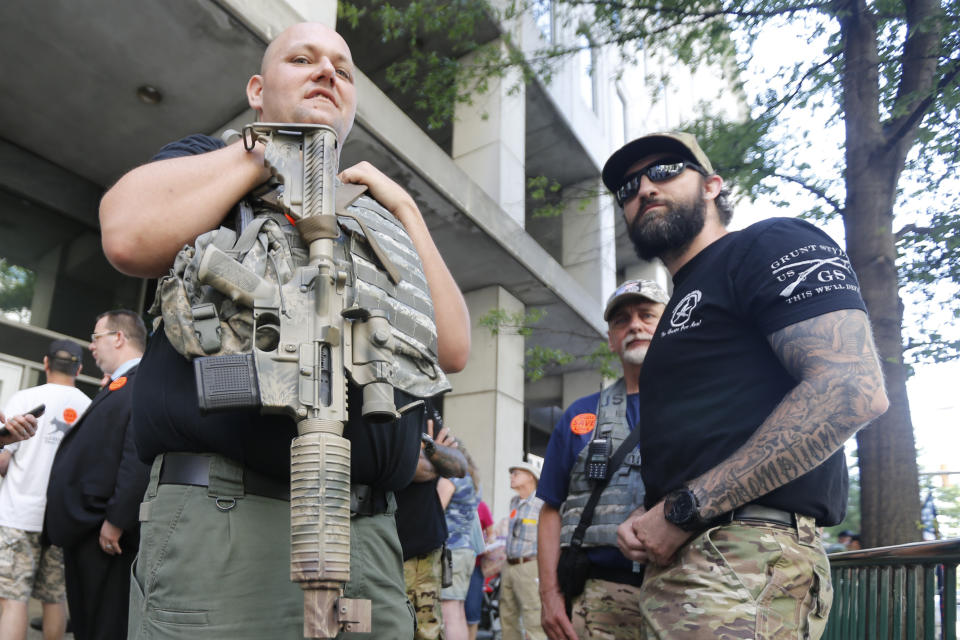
x: 679, y: 142
x: 635, y: 289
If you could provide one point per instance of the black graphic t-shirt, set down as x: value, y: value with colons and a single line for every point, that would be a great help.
x: 711, y: 378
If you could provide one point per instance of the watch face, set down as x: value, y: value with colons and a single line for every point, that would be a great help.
x: 681, y: 507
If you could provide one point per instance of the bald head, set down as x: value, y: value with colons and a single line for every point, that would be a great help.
x: 306, y: 76
x: 300, y: 30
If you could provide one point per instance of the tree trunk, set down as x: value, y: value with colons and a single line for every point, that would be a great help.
x: 890, y: 501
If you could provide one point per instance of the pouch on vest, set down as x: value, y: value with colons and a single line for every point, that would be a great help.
x: 572, y: 571
x: 201, y: 321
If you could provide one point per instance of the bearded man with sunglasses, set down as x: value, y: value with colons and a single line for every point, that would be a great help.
x: 762, y: 366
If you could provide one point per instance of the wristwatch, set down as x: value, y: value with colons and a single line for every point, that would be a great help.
x: 429, y: 446
x: 681, y: 508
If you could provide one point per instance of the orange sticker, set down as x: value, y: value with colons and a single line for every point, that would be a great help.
x: 583, y: 423
x: 69, y: 415
x: 118, y: 383
x: 513, y: 514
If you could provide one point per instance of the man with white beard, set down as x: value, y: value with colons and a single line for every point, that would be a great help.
x: 587, y: 435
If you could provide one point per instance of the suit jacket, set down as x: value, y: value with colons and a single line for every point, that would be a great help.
x: 96, y: 473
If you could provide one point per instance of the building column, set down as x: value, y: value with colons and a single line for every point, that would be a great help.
x: 485, y: 408
x: 588, y: 242
x: 44, y: 286
x: 578, y: 384
x: 589, y: 254
x: 489, y: 142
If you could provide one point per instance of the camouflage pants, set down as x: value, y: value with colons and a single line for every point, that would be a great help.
x: 422, y: 576
x: 741, y: 580
x: 607, y: 611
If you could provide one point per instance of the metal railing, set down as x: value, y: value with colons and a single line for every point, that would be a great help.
x: 890, y: 593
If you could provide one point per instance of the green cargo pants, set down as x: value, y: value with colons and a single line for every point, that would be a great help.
x: 215, y: 563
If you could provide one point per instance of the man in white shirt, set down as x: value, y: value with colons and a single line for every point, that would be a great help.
x: 26, y: 566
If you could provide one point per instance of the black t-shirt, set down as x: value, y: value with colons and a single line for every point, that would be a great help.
x: 421, y: 523
x: 166, y: 413
x: 711, y: 378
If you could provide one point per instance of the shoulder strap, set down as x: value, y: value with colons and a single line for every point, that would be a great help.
x: 615, y: 461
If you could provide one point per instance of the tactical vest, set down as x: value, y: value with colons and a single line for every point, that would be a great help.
x: 200, y: 321
x: 625, y: 491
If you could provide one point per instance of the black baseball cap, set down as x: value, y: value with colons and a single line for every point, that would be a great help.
x: 679, y: 142
x: 65, y: 351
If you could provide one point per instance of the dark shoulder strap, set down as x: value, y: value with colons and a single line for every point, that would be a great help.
x: 615, y: 461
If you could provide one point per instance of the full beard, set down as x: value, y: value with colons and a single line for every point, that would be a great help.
x: 667, y: 232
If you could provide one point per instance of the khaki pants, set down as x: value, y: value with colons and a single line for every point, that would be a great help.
x: 422, y: 575
x: 520, y: 601
x: 756, y: 580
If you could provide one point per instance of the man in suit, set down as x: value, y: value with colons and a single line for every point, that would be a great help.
x: 96, y: 485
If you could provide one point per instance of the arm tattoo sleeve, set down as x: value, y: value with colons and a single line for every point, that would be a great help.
x: 840, y: 388
x: 449, y: 462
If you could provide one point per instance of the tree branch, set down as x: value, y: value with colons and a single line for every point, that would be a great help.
x: 817, y: 191
x: 659, y: 9
x: 905, y: 124
x: 912, y: 228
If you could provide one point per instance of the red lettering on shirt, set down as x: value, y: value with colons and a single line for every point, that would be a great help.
x: 583, y: 423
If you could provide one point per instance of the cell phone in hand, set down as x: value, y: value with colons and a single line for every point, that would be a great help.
x: 36, y: 412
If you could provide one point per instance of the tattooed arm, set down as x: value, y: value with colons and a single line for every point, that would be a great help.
x: 840, y: 389
x: 446, y: 462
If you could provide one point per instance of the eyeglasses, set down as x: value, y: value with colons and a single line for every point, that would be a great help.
x: 659, y: 171
x: 94, y: 336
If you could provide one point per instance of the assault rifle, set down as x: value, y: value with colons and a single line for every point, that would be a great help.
x: 305, y: 339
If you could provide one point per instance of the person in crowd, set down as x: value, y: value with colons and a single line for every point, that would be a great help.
x: 606, y: 607
x: 519, y: 594
x: 459, y: 497
x: 473, y: 604
x: 96, y: 484
x: 223, y: 479
x: 761, y: 368
x: 35, y: 569
x: 422, y: 525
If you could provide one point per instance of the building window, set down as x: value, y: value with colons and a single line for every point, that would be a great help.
x: 619, y: 122
x: 587, y: 63
x: 543, y: 17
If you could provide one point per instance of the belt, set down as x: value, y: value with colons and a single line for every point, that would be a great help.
x: 189, y: 469
x: 759, y: 513
x: 520, y: 560
x: 616, y: 574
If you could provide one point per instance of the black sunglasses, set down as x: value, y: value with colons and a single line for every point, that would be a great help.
x: 659, y: 171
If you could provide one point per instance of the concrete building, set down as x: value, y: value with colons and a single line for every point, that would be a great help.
x: 94, y: 88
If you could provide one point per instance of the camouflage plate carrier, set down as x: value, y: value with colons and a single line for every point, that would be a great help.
x: 625, y: 491
x: 317, y: 286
